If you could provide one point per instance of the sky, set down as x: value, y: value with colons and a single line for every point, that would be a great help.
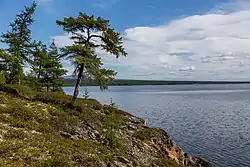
x: 164, y: 39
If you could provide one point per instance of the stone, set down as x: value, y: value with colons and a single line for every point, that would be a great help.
x: 65, y: 134
x: 123, y: 160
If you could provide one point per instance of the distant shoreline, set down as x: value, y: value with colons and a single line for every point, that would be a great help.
x: 120, y: 82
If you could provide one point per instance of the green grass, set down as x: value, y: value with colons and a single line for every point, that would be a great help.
x: 47, y: 114
x: 31, y: 122
x: 50, y: 150
x: 18, y: 90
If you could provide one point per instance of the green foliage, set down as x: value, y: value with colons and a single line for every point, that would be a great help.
x: 64, y: 101
x: 59, y: 90
x: 19, y: 43
x: 2, y: 77
x: 112, y: 126
x: 31, y: 129
x: 5, y: 60
x: 15, y: 134
x: 111, y: 134
x: 32, y: 136
x: 53, y: 98
x: 47, y: 68
x: 86, y: 94
x: 82, y: 54
x: 32, y: 83
x: 112, y: 104
x: 18, y: 90
x: 55, y: 161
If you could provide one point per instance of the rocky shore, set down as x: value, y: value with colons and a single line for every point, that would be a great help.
x: 44, y: 129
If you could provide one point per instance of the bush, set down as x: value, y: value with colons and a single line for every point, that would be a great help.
x: 63, y: 100
x: 86, y: 94
x: 15, y: 134
x: 112, y: 126
x: 18, y: 90
x: 55, y: 161
x: 2, y: 78
x: 52, y: 97
x: 149, y: 133
x: 59, y: 90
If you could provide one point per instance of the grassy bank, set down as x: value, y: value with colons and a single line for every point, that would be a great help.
x: 43, y: 129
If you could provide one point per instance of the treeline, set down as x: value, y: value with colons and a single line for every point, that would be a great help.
x: 117, y: 82
x: 45, y: 71
x: 124, y: 82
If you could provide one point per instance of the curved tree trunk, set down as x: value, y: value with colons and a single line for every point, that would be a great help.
x: 78, y: 84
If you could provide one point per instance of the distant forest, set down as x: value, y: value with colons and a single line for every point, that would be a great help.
x: 123, y: 82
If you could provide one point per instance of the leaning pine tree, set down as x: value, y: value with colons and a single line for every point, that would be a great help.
x: 89, y: 33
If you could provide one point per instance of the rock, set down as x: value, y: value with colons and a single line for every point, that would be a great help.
x: 203, y: 163
x: 120, y: 164
x: 1, y: 138
x: 195, y: 162
x: 123, y: 160
x: 131, y: 127
x: 65, y: 134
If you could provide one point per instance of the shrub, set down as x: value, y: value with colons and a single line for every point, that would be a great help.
x: 53, y: 98
x: 86, y: 94
x: 55, y: 161
x: 64, y: 101
x: 2, y: 78
x: 59, y: 90
x: 18, y: 90
x: 149, y: 133
x: 112, y: 126
x: 15, y: 134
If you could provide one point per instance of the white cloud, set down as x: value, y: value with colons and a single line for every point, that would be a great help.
x: 215, y: 46
x: 187, y: 68
x: 39, y: 2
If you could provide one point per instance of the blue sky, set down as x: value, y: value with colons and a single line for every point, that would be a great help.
x: 121, y: 13
x: 165, y: 39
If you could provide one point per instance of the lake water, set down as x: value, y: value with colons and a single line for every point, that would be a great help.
x: 209, y: 121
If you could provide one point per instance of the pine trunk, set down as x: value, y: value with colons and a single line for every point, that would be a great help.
x: 78, y: 84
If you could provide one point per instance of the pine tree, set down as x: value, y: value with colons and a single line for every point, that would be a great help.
x: 47, y: 68
x: 37, y: 65
x: 56, y: 72
x: 19, y: 42
x: 85, y: 30
x: 39, y: 56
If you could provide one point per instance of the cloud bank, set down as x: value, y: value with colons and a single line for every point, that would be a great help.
x: 211, y: 46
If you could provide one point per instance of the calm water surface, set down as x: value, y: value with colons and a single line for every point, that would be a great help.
x: 210, y: 121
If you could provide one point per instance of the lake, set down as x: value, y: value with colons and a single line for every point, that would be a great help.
x: 209, y: 121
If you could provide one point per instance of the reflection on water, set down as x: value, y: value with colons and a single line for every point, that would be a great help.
x: 210, y: 121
